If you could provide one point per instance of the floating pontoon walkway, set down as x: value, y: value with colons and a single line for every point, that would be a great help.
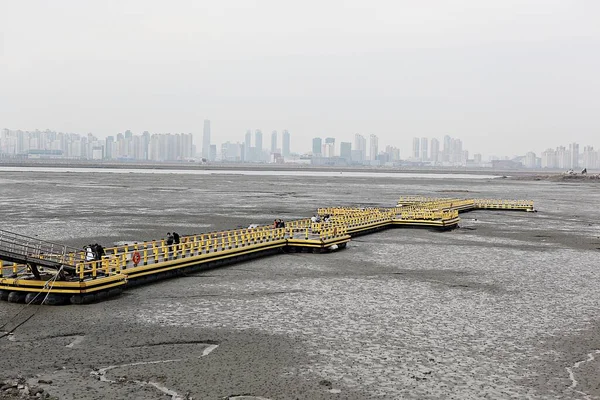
x: 35, y: 271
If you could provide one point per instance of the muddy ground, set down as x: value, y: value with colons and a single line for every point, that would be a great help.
x: 504, y: 307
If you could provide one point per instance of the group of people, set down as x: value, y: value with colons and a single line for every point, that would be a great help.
x: 172, y: 238
x: 317, y: 218
x: 278, y: 223
x: 93, y: 252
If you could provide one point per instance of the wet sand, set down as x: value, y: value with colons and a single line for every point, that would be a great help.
x: 504, y: 307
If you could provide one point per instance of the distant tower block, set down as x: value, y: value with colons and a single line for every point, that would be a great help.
x: 206, y: 140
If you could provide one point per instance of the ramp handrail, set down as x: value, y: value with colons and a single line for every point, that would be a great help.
x: 26, y: 248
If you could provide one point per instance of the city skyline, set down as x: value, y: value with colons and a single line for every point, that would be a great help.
x: 305, y: 146
x: 503, y: 77
x: 447, y: 152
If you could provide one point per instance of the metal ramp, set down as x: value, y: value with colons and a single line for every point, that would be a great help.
x: 34, y: 252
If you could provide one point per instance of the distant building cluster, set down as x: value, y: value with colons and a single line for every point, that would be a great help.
x: 251, y: 150
x: 451, y: 154
x: 144, y: 147
x: 324, y: 152
x: 564, y: 158
x: 124, y: 146
x: 424, y: 152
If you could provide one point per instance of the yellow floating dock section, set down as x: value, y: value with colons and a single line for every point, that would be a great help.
x: 140, y: 263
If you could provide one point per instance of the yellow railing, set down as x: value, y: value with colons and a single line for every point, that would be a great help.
x: 120, y: 258
x: 415, y: 203
x: 341, y: 221
x: 419, y: 199
x: 488, y: 203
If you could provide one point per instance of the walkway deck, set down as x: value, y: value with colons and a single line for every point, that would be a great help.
x: 34, y: 271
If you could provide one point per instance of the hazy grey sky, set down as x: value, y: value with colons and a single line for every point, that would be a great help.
x: 506, y: 76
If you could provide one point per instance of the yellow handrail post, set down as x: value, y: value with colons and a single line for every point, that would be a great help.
x: 154, y: 250
x: 81, y: 272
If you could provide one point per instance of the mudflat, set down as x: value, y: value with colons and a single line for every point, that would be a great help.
x: 506, y: 306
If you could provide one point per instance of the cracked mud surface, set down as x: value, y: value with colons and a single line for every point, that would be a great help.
x: 505, y: 307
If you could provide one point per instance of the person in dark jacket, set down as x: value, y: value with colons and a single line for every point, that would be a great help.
x: 176, y: 238
x: 170, y: 239
x: 98, y: 251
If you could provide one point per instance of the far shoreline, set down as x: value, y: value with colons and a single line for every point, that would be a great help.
x: 502, y: 173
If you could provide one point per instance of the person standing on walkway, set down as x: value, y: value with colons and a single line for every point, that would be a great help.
x: 89, y: 253
x: 176, y: 241
x: 101, y: 252
x: 169, y: 244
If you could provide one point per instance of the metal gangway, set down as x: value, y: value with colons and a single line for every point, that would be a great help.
x: 34, y: 252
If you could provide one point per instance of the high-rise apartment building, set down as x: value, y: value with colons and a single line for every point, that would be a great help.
x: 329, y: 147
x: 273, y: 142
x: 530, y: 160
x: 549, y: 159
x: 346, y: 151
x: 248, y: 146
x: 317, y: 144
x: 456, y: 151
x: 373, y: 147
x: 447, y: 149
x: 574, y: 155
x: 206, y: 140
x: 590, y: 158
x: 434, y: 154
x: 108, y: 145
x: 258, y: 141
x: 424, y: 148
x: 416, y: 149
x: 146, y: 142
x: 285, y: 143
x: 360, y: 148
x: 563, y: 158
x: 328, y: 150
